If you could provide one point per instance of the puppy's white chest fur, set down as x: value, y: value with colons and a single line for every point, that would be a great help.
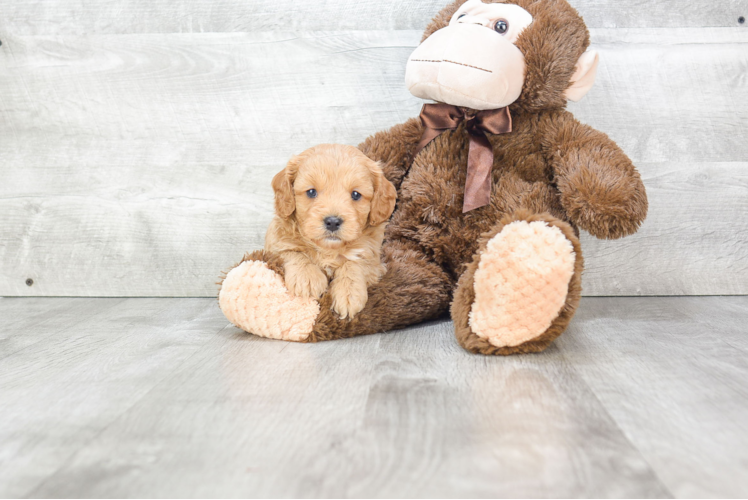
x: 329, y: 263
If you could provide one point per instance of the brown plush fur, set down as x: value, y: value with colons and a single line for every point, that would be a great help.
x: 271, y: 259
x: 465, y: 294
x: 550, y: 168
x: 413, y: 290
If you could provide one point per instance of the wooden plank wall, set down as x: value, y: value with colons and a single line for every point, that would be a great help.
x: 138, y: 139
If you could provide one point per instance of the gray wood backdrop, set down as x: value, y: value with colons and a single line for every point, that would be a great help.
x: 138, y: 138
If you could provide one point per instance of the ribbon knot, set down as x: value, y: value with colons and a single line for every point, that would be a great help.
x: 438, y: 118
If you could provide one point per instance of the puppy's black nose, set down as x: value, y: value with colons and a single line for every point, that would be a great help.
x: 332, y: 223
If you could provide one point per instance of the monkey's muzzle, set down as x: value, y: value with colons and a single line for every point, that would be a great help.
x: 466, y: 65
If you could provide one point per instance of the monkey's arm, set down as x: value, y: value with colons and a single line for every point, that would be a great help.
x: 601, y: 189
x: 394, y: 148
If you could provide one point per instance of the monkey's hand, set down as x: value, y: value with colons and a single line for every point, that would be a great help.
x: 600, y: 188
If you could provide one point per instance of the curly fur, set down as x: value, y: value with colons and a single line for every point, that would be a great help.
x: 311, y: 253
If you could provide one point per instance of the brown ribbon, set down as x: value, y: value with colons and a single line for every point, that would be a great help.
x: 438, y: 118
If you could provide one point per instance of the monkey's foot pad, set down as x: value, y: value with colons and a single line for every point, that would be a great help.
x: 254, y: 298
x: 521, y: 283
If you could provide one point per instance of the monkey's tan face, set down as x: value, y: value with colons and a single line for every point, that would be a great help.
x: 474, y: 61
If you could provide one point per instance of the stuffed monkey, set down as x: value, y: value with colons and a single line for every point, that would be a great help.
x: 494, y: 181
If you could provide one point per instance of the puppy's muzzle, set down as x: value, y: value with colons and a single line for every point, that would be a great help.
x: 333, y: 223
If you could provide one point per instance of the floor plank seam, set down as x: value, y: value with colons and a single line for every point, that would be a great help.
x: 122, y: 414
x: 615, y: 422
x: 739, y: 349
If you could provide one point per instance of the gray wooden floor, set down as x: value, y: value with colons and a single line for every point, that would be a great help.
x: 643, y: 397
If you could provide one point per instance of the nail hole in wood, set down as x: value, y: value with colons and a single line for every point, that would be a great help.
x: 29, y: 282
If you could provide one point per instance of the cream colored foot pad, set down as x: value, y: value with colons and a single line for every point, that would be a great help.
x: 255, y: 299
x: 521, y: 283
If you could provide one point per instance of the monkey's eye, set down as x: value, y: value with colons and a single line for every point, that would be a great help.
x: 501, y: 26
x: 311, y: 193
x: 356, y: 195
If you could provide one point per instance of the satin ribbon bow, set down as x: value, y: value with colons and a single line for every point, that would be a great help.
x: 438, y: 118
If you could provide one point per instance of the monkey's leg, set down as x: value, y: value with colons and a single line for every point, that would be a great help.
x: 522, y: 288
x: 414, y: 289
x: 254, y: 297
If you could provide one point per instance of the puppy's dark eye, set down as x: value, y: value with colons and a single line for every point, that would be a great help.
x: 356, y: 195
x: 311, y: 193
x: 461, y: 15
x: 501, y: 26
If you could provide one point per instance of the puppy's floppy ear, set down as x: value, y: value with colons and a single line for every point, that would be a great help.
x: 385, y: 196
x: 285, y: 200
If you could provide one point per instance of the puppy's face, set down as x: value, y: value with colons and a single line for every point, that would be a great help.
x: 334, y: 192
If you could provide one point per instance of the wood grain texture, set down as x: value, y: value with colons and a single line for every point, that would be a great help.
x: 409, y: 414
x: 139, y: 165
x: 671, y: 372
x: 27, y: 322
x: 642, y: 397
x: 60, y: 393
x: 694, y: 241
x: 65, y: 17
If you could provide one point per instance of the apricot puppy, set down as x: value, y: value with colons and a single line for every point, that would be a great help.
x: 332, y: 204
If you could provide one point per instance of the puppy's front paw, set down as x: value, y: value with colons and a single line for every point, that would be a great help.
x: 306, y: 281
x: 348, y: 297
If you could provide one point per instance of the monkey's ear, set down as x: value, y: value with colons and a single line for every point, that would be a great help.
x: 285, y: 201
x: 584, y: 75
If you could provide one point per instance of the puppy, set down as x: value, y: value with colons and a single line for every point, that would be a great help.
x: 332, y: 204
